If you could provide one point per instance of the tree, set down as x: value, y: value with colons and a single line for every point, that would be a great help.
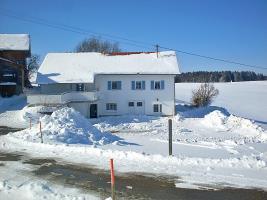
x: 33, y: 64
x: 97, y: 45
x: 204, y: 95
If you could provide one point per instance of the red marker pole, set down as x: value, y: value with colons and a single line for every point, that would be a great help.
x: 30, y: 123
x: 112, y: 179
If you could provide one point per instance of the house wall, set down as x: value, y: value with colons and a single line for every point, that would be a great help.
x: 82, y: 107
x: 126, y: 94
x: 58, y: 88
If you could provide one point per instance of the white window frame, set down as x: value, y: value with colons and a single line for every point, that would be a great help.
x: 138, y: 85
x: 131, y: 102
x: 159, y: 108
x: 111, y: 107
x: 157, y: 85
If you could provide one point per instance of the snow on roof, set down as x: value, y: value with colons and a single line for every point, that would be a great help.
x: 19, y: 42
x: 82, y: 67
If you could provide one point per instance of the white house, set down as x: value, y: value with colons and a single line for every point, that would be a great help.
x: 99, y: 84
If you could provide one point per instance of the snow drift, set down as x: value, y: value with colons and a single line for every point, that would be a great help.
x: 66, y: 126
x: 238, y: 125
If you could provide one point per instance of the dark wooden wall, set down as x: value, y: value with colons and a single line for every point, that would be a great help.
x: 18, y: 66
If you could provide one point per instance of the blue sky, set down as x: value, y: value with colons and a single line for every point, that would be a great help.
x: 230, y: 29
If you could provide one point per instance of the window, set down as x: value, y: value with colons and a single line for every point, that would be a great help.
x: 157, y: 85
x: 139, y: 104
x: 131, y: 104
x: 138, y: 85
x: 111, y: 106
x: 80, y: 87
x: 157, y: 108
x: 114, y: 85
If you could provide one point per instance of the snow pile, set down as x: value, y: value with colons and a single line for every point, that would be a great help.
x: 34, y: 113
x: 238, y: 125
x: 66, y: 126
x: 215, y: 119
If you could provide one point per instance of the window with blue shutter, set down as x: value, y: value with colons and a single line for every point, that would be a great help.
x: 143, y: 85
x: 119, y: 85
x: 152, y: 85
x: 162, y: 85
x: 133, y: 85
x: 157, y: 85
x: 109, y: 85
x: 114, y: 85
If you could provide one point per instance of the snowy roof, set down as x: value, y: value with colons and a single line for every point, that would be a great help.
x: 82, y: 67
x: 19, y: 42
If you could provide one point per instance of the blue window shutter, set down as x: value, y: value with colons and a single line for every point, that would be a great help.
x: 162, y: 85
x: 109, y: 85
x: 133, y: 85
x: 119, y: 85
x: 143, y: 85
x: 152, y: 85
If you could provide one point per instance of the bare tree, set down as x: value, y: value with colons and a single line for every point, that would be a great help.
x: 31, y: 68
x: 204, y: 95
x: 97, y: 45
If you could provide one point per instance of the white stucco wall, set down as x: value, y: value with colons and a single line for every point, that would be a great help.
x: 58, y: 88
x: 126, y: 94
x: 122, y: 97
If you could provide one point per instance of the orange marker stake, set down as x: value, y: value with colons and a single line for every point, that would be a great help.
x: 112, y: 179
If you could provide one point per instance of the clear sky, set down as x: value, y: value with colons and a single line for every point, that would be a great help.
x: 228, y: 29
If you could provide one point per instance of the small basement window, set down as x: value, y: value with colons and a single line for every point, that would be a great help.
x: 139, y: 104
x: 131, y: 104
x: 111, y: 106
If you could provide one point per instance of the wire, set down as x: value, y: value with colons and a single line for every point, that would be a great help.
x: 123, y: 40
x: 213, y: 58
x: 72, y: 29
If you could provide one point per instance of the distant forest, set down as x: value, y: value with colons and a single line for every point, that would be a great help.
x: 219, y: 76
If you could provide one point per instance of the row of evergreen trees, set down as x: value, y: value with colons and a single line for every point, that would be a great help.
x: 219, y: 76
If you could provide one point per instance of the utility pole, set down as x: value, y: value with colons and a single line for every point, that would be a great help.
x: 157, y: 49
x: 170, y: 136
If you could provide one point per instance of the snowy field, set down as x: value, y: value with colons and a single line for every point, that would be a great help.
x: 245, y: 99
x: 213, y: 147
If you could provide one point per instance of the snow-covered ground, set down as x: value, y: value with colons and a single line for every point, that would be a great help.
x: 17, y: 182
x: 211, y: 146
x: 10, y: 111
x: 245, y: 99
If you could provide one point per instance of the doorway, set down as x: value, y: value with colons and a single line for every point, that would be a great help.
x: 93, y: 110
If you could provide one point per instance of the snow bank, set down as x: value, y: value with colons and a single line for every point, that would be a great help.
x: 66, y: 126
x: 239, y: 125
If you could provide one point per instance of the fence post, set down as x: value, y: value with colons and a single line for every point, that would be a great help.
x: 112, y: 179
x: 170, y: 136
x: 41, y: 132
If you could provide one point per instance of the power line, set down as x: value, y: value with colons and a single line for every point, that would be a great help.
x: 123, y: 40
x: 213, y: 58
x: 73, y: 29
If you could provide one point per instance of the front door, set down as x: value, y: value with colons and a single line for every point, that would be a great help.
x: 93, y: 111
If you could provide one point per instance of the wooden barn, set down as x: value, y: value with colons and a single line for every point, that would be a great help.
x: 14, y: 49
